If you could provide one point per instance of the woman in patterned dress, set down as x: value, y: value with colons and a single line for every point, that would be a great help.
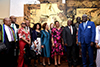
x: 36, y: 38
x: 56, y: 38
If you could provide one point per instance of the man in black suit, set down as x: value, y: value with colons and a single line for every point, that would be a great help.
x: 15, y: 27
x: 30, y: 30
x: 69, y: 37
x: 9, y: 39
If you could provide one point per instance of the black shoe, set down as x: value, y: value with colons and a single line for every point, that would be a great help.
x: 70, y: 66
x: 59, y: 64
x: 44, y: 65
x: 49, y: 64
x: 55, y: 65
x: 75, y: 66
x: 40, y: 63
x: 35, y: 65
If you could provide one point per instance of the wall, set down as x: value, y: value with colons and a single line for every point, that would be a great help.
x: 4, y: 8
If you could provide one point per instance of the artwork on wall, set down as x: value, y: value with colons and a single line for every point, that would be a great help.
x: 56, y: 10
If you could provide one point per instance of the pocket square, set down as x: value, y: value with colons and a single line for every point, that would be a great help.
x: 89, y: 26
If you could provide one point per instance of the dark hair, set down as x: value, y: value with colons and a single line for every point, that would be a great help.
x: 56, y: 21
x: 44, y: 25
x: 35, y: 26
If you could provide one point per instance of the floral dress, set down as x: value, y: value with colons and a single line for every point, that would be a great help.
x: 56, y: 34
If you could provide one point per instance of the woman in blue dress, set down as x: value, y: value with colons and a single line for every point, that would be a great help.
x: 45, y: 43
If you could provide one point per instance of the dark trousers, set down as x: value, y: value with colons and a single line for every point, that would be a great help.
x: 7, y: 57
x: 16, y: 50
x: 71, y: 55
x: 86, y: 47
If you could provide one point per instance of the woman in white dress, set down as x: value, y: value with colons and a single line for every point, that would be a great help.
x: 98, y: 46
x: 36, y: 45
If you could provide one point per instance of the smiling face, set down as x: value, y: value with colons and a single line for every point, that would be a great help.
x: 69, y: 22
x: 84, y: 18
x: 13, y: 19
x: 57, y: 24
x: 23, y: 24
x: 7, y: 21
x: 47, y: 27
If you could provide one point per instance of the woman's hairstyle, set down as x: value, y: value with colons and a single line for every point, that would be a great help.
x: 44, y: 25
x: 56, y: 21
x: 50, y: 25
x: 35, y: 26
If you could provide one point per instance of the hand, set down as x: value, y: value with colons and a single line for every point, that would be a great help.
x: 53, y: 45
x: 29, y: 43
x: 16, y: 47
x: 91, y: 44
x: 97, y: 46
x: 65, y: 44
x: 42, y: 46
x: 35, y: 45
x: 79, y: 44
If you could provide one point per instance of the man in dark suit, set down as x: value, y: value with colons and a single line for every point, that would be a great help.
x: 9, y: 39
x: 86, y: 39
x: 30, y: 30
x: 15, y: 27
x: 69, y: 38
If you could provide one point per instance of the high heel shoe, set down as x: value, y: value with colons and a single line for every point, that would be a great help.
x: 59, y: 64
x: 55, y: 65
x: 44, y: 65
x: 49, y: 64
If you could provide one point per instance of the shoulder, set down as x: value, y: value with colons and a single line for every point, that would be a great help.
x: 90, y: 22
x: 17, y: 25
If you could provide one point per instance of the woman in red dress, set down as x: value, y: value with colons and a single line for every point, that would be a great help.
x: 24, y: 38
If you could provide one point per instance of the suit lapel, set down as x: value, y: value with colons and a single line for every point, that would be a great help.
x: 68, y: 29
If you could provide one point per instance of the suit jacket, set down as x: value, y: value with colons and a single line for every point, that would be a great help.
x: 17, y: 26
x: 8, y: 45
x: 87, y: 35
x: 68, y: 38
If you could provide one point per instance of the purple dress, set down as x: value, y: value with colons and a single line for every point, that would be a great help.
x: 57, y: 37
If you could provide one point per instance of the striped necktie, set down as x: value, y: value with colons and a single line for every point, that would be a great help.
x: 12, y: 38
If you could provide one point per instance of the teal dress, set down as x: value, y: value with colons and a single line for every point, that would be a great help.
x: 45, y: 41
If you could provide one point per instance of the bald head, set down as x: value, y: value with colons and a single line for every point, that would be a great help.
x: 84, y: 18
x: 13, y: 19
x: 27, y: 23
x: 69, y: 22
x: 78, y: 19
x: 7, y: 21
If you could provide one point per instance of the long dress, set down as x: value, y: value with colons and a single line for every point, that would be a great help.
x: 56, y: 35
x: 45, y: 40
x: 36, y: 37
x: 98, y: 50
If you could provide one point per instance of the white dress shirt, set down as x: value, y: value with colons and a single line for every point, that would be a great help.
x: 70, y: 27
x: 7, y: 28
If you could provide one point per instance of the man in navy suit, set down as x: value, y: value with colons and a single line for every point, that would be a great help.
x: 86, y: 39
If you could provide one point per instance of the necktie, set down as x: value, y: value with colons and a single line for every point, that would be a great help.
x: 70, y: 28
x: 12, y: 38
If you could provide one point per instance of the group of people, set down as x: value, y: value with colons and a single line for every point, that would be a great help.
x: 49, y: 43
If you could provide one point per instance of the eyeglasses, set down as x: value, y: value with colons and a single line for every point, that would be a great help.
x: 24, y: 23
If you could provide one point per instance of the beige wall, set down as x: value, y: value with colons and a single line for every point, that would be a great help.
x: 4, y: 8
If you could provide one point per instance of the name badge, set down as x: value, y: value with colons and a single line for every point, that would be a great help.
x: 89, y: 26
